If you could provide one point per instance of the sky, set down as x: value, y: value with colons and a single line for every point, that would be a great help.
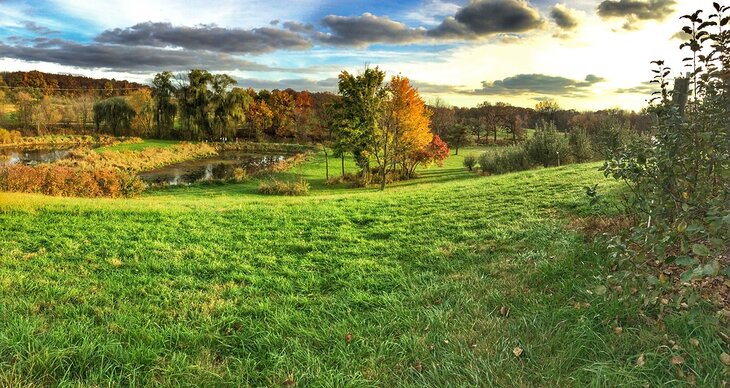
x: 585, y: 54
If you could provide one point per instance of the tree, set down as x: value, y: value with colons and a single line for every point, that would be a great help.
x: 224, y: 105
x: 144, y: 111
x: 303, y: 115
x: 358, y: 115
x: 547, y: 109
x: 163, y: 93
x: 115, y: 113
x: 45, y: 114
x: 24, y: 102
x: 282, y: 109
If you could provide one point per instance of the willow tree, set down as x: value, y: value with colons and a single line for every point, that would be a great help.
x: 163, y: 93
x: 115, y: 113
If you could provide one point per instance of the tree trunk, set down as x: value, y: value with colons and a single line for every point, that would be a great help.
x: 342, y: 159
x: 326, y: 164
x: 384, y: 165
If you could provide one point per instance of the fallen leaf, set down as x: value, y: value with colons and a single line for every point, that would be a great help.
x: 618, y: 329
x: 446, y: 342
x: 473, y: 346
x: 641, y: 360
x: 289, y: 382
x: 725, y: 358
x: 694, y: 342
x: 348, y: 337
x: 677, y: 360
x: 504, y: 311
x: 418, y: 366
x: 518, y: 351
x: 662, y: 278
x: 691, y: 379
x: 600, y: 290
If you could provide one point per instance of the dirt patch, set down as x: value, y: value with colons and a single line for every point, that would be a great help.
x: 596, y: 226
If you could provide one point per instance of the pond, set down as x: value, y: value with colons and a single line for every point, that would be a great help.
x: 32, y: 155
x: 217, y: 168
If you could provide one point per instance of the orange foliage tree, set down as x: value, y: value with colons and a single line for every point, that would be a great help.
x: 404, y: 131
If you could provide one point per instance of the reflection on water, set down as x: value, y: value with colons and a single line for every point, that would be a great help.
x: 218, y: 168
x: 31, y: 156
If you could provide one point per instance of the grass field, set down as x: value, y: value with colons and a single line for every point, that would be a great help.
x: 216, y: 285
x: 147, y: 143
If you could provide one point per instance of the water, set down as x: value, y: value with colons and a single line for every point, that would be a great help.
x: 217, y: 168
x: 32, y: 156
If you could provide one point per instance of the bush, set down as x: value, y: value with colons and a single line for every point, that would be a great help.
x: 57, y: 180
x: 239, y: 175
x: 9, y: 137
x: 548, y: 147
x: 277, y: 187
x: 679, y: 191
x: 580, y: 145
x: 501, y: 161
x: 470, y: 161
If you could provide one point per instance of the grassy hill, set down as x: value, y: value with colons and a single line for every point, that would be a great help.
x: 434, y: 282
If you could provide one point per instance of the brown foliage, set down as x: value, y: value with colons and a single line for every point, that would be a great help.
x: 57, y: 180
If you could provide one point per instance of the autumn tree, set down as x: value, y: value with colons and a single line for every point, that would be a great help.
x: 282, y: 109
x: 144, y: 111
x: 45, y: 113
x: 24, y: 102
x: 406, y: 121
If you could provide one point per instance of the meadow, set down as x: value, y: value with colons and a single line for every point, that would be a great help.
x: 452, y: 279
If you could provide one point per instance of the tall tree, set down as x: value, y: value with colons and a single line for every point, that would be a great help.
x: 358, y: 114
x: 163, y: 92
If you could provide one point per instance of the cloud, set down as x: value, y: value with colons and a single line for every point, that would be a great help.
x: 433, y: 12
x: 488, y: 17
x: 325, y: 85
x: 38, y: 29
x: 646, y: 88
x: 538, y: 84
x: 206, y: 37
x: 564, y: 17
x: 633, y: 11
x: 367, y: 29
x: 123, y: 58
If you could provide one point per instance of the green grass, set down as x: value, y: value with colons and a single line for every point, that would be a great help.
x: 216, y: 285
x: 147, y: 143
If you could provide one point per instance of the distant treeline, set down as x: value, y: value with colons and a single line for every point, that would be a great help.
x: 40, y: 84
x: 199, y: 105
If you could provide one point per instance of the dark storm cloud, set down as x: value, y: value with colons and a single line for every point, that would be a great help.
x: 564, y: 17
x: 123, y: 58
x: 636, y: 10
x: 366, y: 29
x: 537, y: 83
x: 206, y: 37
x: 488, y: 17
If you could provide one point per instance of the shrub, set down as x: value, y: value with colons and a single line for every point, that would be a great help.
x: 501, y: 161
x: 277, y: 187
x: 580, y: 145
x: 470, y: 161
x: 678, y: 180
x: 548, y: 147
x: 239, y: 175
x: 57, y: 180
x: 9, y: 137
